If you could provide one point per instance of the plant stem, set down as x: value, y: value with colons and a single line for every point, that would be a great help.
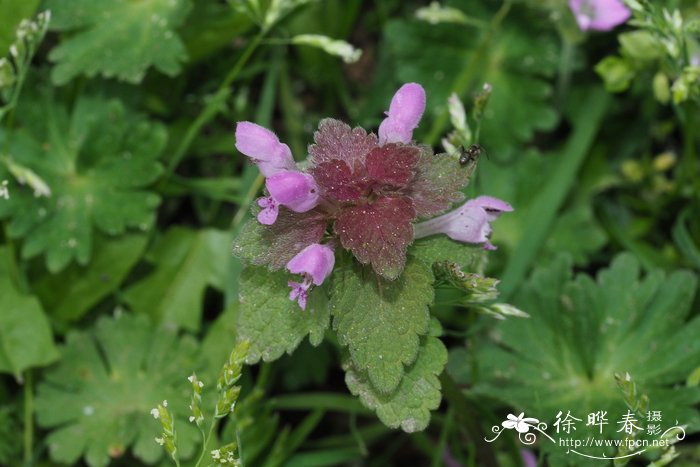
x: 213, y: 106
x: 205, y: 441
x: 28, y: 417
x: 464, y: 80
x: 564, y: 72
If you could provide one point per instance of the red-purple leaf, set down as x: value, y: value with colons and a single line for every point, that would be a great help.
x: 438, y: 183
x: 378, y: 233
x: 392, y: 164
x: 336, y: 140
x: 274, y: 245
x: 336, y: 181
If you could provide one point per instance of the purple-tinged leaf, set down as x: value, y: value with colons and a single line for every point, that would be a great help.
x: 335, y: 140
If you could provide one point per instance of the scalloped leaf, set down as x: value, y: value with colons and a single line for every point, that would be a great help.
x: 418, y: 393
x: 270, y: 321
x: 115, y: 38
x: 380, y: 321
x: 96, y: 163
x: 96, y: 402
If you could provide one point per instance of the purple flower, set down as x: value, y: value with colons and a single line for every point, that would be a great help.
x: 314, y: 263
x: 406, y: 109
x: 296, y: 190
x: 600, y: 15
x: 264, y: 148
x: 470, y: 223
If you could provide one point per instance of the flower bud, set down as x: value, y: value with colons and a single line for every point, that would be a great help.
x: 405, y: 111
x: 264, y: 148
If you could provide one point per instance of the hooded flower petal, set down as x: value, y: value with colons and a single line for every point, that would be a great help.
x: 296, y: 190
x: 470, y: 223
x: 405, y: 111
x: 264, y: 148
x: 316, y: 261
x: 600, y: 15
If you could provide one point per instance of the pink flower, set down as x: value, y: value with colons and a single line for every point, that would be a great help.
x: 296, y: 190
x: 600, y: 15
x: 470, y: 223
x: 314, y: 263
x: 405, y: 111
x: 264, y: 148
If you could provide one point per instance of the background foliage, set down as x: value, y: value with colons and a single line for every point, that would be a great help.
x: 125, y: 194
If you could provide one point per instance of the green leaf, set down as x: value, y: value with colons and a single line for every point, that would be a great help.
x: 584, y: 330
x: 272, y: 322
x: 186, y: 262
x: 439, y: 248
x: 96, y: 402
x: 73, y: 292
x: 616, y: 72
x: 454, y: 58
x: 95, y: 165
x: 380, y: 321
x: 25, y: 333
x: 119, y: 39
x: 418, y: 393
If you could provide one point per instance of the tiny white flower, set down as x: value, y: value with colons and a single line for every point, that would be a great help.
x: 190, y: 378
x: 160, y: 441
x: 155, y: 413
x: 216, y: 454
x: 201, y: 384
x: 191, y: 418
x: 165, y: 403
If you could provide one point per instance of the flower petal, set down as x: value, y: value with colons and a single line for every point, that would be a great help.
x: 264, y: 148
x: 295, y: 190
x: 270, y: 210
x: 600, y: 15
x: 405, y: 111
x: 315, y: 260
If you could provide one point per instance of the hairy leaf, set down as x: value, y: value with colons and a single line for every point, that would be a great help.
x: 438, y: 183
x: 25, y: 334
x: 95, y: 164
x: 380, y: 321
x: 418, y: 393
x: 118, y: 39
x: 335, y: 140
x: 335, y: 178
x: 186, y: 262
x: 96, y: 402
x: 272, y: 322
x: 274, y: 245
x: 378, y: 233
x: 439, y: 248
x: 392, y: 164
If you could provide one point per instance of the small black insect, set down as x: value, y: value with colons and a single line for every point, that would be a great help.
x: 470, y: 154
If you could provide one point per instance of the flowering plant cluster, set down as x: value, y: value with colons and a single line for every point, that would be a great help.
x: 361, y: 192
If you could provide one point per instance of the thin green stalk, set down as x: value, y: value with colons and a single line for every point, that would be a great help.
x: 205, y: 440
x: 465, y: 79
x: 564, y: 72
x: 28, y: 416
x: 212, y: 107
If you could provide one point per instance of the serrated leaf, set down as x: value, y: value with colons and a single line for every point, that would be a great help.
x: 25, y: 333
x: 335, y: 140
x: 514, y: 61
x: 119, y: 39
x: 270, y: 321
x: 96, y: 402
x: 71, y: 293
x: 96, y: 163
x: 380, y: 321
x: 584, y: 330
x: 186, y: 262
x: 274, y: 245
x: 418, y: 393
x: 378, y: 233
x: 439, y: 182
